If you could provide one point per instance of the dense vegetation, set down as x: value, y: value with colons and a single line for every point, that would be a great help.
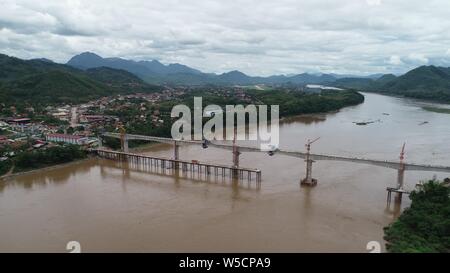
x: 425, y: 226
x: 29, y: 160
x: 295, y: 103
x: 26, y: 158
x: 290, y: 102
x: 121, y: 80
x: 54, y: 87
x: 5, y: 166
x: 38, y: 82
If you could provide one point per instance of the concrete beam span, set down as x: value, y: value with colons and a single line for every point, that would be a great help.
x: 315, y: 157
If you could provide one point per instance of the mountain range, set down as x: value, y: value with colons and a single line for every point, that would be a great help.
x: 143, y: 69
x: 88, y: 76
x: 427, y: 82
x: 158, y: 73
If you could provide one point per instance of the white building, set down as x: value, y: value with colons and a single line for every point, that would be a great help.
x: 77, y: 140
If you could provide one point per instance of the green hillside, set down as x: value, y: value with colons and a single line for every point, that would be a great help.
x: 424, y: 82
x: 120, y: 79
x: 54, y: 86
x: 12, y: 68
x: 38, y: 82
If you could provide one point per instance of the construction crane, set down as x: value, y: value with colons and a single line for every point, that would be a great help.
x: 402, y: 154
x: 401, y: 169
x: 123, y: 133
x: 308, y: 145
x: 308, y: 180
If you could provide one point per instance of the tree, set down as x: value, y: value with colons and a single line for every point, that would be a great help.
x: 425, y: 226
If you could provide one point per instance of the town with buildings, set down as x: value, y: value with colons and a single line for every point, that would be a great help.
x: 81, y: 124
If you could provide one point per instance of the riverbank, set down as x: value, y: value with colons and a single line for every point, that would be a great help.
x: 430, y: 206
x: 28, y: 159
x: 11, y: 175
x: 436, y: 109
x: 403, y: 96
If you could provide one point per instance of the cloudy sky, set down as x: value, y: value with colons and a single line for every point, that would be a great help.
x: 258, y: 37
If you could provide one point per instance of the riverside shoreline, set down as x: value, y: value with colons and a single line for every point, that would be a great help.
x: 48, y: 168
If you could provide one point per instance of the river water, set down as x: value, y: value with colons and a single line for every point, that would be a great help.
x: 112, y: 209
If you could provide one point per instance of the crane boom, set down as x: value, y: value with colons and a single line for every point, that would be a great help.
x: 402, y: 153
x: 308, y: 144
x: 311, y: 142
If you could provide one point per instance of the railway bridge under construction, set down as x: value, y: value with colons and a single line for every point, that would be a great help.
x: 238, y: 172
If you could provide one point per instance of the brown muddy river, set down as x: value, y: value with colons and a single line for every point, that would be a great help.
x: 112, y: 209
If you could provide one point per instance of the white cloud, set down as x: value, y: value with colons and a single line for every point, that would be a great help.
x: 259, y: 37
x: 373, y: 2
x: 395, y: 60
x: 418, y: 58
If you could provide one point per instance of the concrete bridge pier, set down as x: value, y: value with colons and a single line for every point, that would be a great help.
x: 309, y: 180
x: 100, y: 142
x: 400, y: 176
x: 400, y: 182
x: 125, y: 148
x: 176, y: 154
x: 236, y: 154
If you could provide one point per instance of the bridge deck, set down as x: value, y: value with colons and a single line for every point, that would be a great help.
x: 380, y: 163
x: 183, y: 165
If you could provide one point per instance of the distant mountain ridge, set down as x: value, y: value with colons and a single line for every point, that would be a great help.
x: 88, y: 60
x: 156, y: 72
x: 89, y: 76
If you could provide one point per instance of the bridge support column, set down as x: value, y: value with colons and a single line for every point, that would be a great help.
x: 176, y: 154
x: 400, y: 176
x: 236, y: 154
x: 100, y: 142
x: 125, y: 144
x: 400, y: 182
x: 309, y: 180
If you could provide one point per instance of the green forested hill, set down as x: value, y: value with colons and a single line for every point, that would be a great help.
x: 424, y: 82
x: 12, y: 68
x: 120, y: 79
x: 42, y: 82
x: 54, y: 86
x: 113, y: 76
